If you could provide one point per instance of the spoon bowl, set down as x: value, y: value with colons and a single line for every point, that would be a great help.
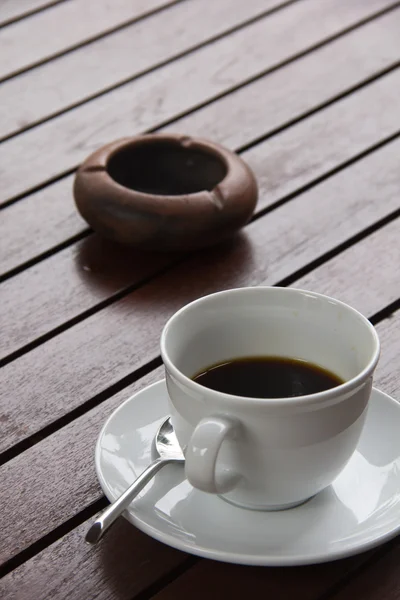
x: 169, y: 451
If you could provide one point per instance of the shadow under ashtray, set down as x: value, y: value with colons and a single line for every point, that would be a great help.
x: 224, y: 266
x: 110, y: 266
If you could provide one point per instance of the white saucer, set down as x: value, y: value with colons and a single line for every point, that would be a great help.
x: 359, y: 511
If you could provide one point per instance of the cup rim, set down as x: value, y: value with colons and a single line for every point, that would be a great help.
x: 331, y: 394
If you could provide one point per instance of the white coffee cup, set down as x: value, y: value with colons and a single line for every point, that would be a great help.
x: 264, y: 453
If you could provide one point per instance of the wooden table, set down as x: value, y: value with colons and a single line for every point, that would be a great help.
x: 307, y: 92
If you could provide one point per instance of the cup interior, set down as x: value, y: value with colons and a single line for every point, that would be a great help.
x: 270, y: 322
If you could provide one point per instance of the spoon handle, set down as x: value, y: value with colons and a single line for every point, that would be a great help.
x: 104, y: 521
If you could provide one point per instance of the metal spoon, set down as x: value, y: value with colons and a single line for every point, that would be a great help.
x: 169, y: 451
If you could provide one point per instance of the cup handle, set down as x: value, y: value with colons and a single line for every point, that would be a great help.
x: 202, y: 453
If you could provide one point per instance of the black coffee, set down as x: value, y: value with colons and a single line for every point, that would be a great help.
x: 267, y: 377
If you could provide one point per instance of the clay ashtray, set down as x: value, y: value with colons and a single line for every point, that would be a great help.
x: 165, y: 192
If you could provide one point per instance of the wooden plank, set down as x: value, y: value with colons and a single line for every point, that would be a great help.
x: 372, y: 259
x: 124, y: 564
x: 63, y: 493
x: 42, y: 298
x: 387, y: 373
x: 301, y: 86
x: 69, y: 477
x: 68, y: 284
x: 381, y: 581
x: 10, y: 10
x: 48, y: 217
x: 54, y: 86
x: 40, y: 576
x: 96, y: 353
x: 66, y: 25
x: 58, y: 145
x: 81, y: 571
x: 238, y: 582
x: 127, y: 561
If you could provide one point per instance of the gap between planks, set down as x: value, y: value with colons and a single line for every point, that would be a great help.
x: 223, y: 577
x: 297, y: 119
x: 17, y: 196
x: 387, y: 326
x: 133, y: 21
x: 38, y: 6
x: 156, y: 362
x: 241, y: 149
x: 91, y: 38
x: 84, y: 517
x: 243, y: 145
x: 375, y: 164
x: 89, y: 96
x: 164, y: 269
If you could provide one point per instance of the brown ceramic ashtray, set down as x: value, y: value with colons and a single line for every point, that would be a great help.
x: 165, y: 192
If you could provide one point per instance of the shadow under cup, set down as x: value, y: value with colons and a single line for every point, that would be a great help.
x: 282, y: 451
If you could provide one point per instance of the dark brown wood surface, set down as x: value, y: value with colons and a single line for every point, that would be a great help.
x: 229, y: 581
x: 71, y: 294
x: 59, y: 560
x: 308, y: 93
x: 11, y: 11
x: 121, y: 56
x: 356, y: 266
x: 76, y: 133
x: 66, y: 25
x: 87, y: 358
x: 60, y: 473
x: 381, y: 580
x: 327, y: 73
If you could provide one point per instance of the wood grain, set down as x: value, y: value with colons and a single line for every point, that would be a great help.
x: 118, y: 579
x: 69, y: 283
x: 213, y: 580
x: 42, y: 574
x: 301, y: 86
x: 127, y: 561
x: 124, y: 564
x: 94, y: 354
x: 387, y: 372
x: 371, y: 260
x: 118, y: 56
x: 48, y: 217
x: 381, y: 580
x: 70, y: 488
x: 66, y: 25
x: 10, y: 10
x: 67, y: 467
x: 65, y: 285
x: 54, y: 479
x: 75, y: 134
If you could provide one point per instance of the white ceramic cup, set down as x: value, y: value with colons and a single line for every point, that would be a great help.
x: 264, y: 453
